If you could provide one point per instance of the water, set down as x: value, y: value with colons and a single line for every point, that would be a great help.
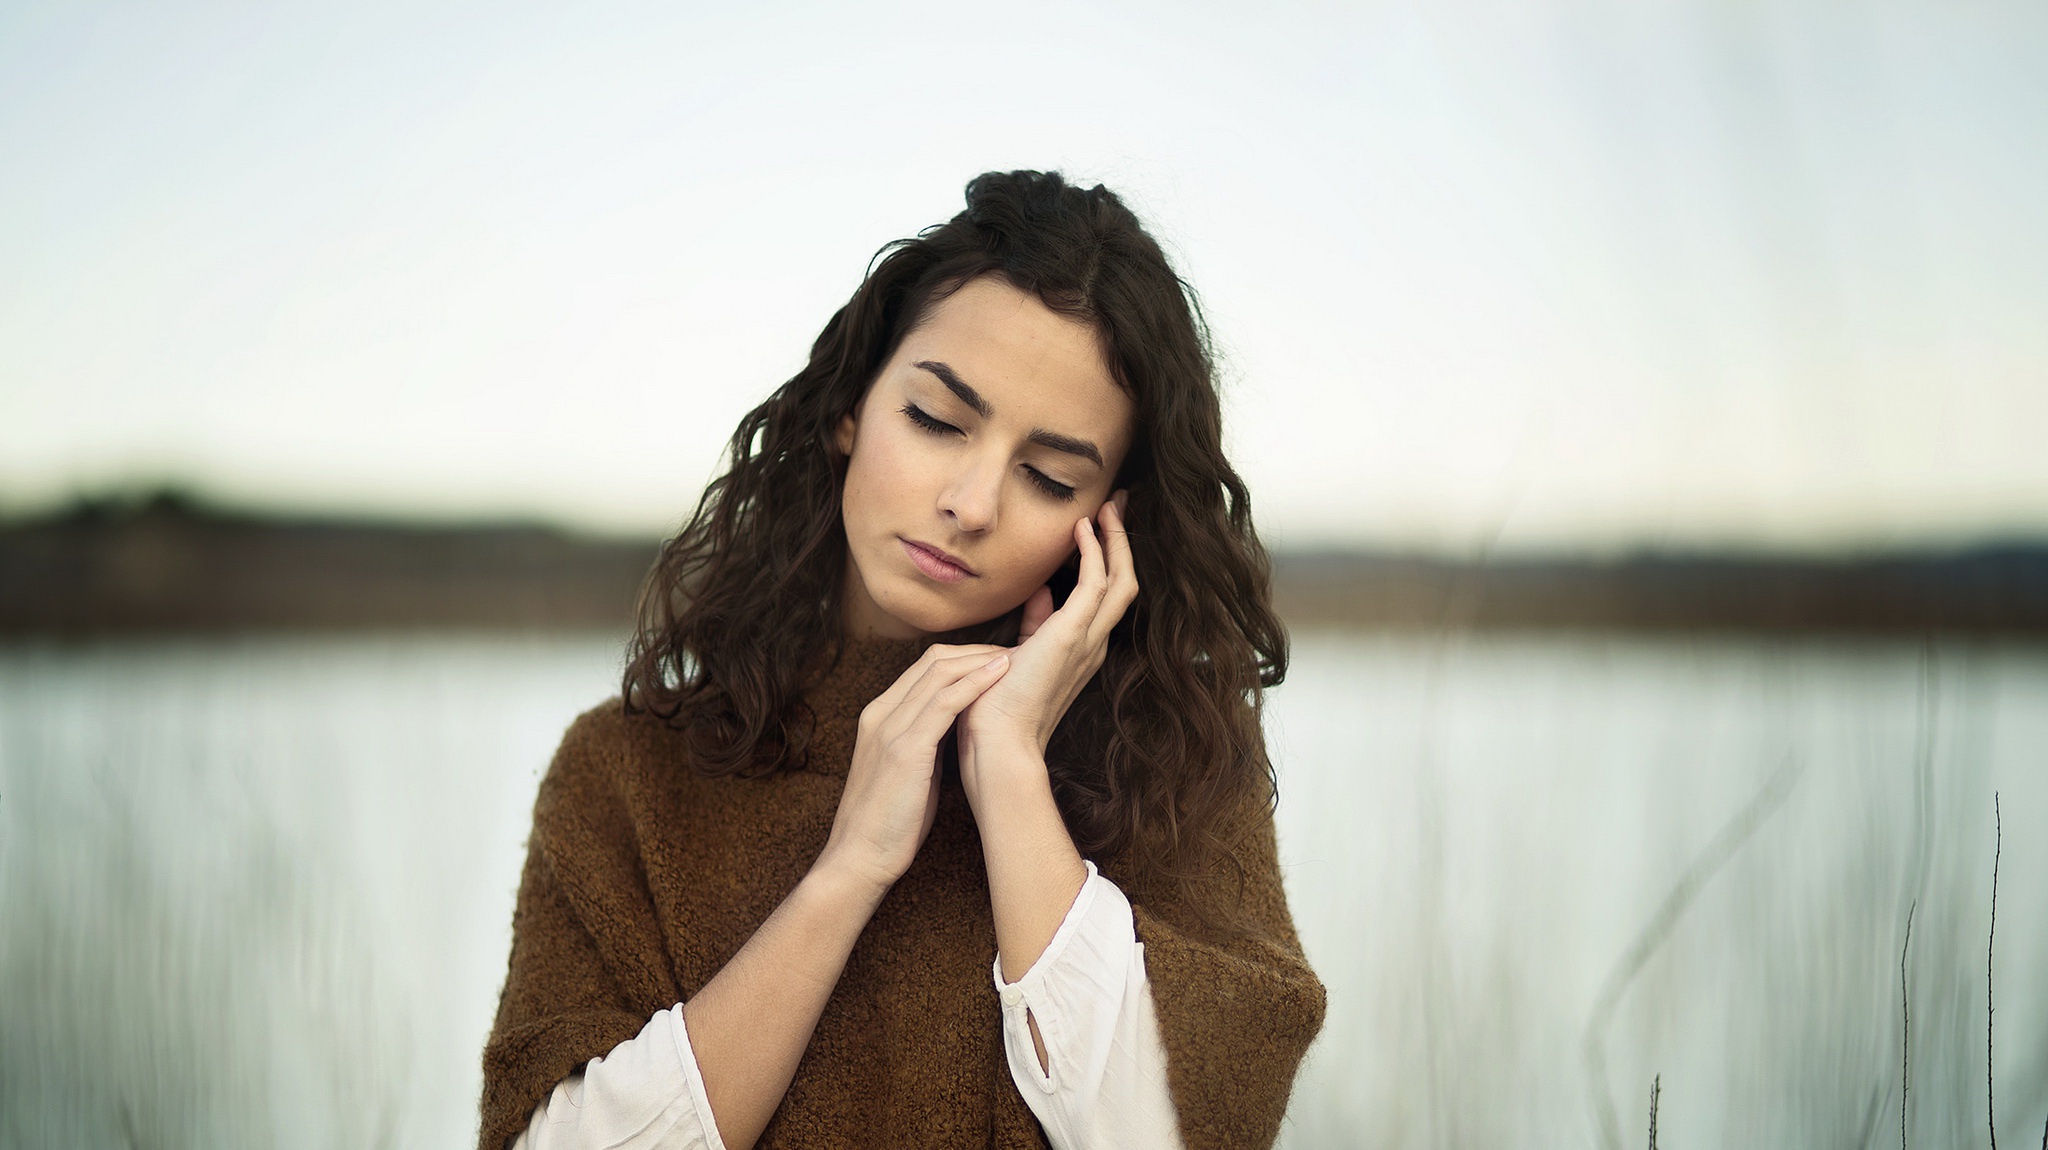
x: 1504, y: 862
x: 257, y: 892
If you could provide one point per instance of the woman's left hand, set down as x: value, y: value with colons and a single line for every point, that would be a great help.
x: 1057, y: 651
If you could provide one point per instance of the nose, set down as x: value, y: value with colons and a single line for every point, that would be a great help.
x: 971, y: 498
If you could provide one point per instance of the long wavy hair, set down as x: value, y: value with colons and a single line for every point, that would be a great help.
x: 1160, y: 757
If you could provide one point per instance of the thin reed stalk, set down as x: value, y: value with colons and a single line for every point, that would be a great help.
x: 1997, y: 845
x: 1656, y: 1088
x: 1905, y: 1027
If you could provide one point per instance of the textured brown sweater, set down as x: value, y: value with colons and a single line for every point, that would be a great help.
x: 642, y: 879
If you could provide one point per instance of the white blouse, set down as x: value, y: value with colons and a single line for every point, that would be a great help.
x: 1104, y: 1084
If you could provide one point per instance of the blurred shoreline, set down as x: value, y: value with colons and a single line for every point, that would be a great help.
x: 167, y: 563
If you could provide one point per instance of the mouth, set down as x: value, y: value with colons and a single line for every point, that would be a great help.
x: 936, y: 564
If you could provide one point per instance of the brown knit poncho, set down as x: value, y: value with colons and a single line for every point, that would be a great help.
x: 642, y: 879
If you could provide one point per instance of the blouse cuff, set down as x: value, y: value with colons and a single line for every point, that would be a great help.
x: 699, y: 1100
x: 646, y: 1093
x: 1104, y: 1078
x: 1087, y: 964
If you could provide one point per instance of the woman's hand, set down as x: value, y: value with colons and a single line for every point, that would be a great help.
x: 1057, y: 651
x: 749, y: 1025
x: 892, y: 785
x: 1034, y: 870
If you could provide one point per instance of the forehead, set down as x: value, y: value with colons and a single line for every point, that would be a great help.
x: 1031, y: 363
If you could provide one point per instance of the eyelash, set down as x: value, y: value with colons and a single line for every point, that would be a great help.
x: 1044, y: 482
x: 920, y: 417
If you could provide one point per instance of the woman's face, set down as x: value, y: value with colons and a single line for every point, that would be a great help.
x: 994, y: 428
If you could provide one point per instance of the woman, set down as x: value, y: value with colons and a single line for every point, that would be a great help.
x: 762, y: 895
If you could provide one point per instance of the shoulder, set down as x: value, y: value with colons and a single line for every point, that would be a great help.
x: 598, y: 768
x: 595, y: 733
x: 593, y: 743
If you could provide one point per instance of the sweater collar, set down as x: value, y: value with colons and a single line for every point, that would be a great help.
x: 866, y: 667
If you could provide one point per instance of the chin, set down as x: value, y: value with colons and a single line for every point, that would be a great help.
x: 940, y: 618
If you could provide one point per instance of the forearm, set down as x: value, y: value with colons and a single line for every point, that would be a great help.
x: 750, y: 1024
x: 1034, y: 870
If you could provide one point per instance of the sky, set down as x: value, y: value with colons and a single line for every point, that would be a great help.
x: 1561, y: 275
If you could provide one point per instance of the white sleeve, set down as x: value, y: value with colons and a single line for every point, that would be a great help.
x: 646, y: 1093
x: 1105, y: 1080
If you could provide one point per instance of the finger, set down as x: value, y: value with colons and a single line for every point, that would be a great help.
x: 1120, y: 581
x: 936, y: 655
x: 914, y: 682
x: 940, y: 673
x: 1123, y: 567
x: 1037, y: 610
x: 1116, y: 538
x: 952, y: 650
x: 1092, y: 580
x: 936, y: 716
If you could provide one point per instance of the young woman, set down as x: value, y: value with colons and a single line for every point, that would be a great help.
x: 935, y: 811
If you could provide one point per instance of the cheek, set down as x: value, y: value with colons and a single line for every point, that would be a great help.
x: 1048, y: 547
x: 852, y: 496
x: 869, y: 482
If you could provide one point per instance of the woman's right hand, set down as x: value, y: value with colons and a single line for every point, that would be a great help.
x: 749, y: 1025
x: 892, y: 785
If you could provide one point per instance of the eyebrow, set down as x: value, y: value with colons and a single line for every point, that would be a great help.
x: 1039, y: 435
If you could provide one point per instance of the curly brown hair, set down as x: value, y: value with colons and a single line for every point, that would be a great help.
x: 1162, y: 751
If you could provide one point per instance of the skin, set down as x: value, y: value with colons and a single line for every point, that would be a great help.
x: 973, y: 487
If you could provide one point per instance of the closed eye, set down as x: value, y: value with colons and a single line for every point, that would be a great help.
x: 1039, y: 479
x: 1049, y: 485
x: 924, y: 419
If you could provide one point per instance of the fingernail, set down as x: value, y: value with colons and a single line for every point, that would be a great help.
x: 998, y: 661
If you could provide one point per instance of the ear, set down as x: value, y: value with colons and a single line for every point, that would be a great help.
x: 842, y: 436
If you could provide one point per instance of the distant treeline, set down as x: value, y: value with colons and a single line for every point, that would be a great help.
x: 169, y: 564
x: 2001, y: 589
x: 166, y: 563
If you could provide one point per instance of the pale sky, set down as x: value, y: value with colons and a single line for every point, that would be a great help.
x: 1679, y: 273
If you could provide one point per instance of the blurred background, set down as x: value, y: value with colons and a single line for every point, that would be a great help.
x: 1643, y: 401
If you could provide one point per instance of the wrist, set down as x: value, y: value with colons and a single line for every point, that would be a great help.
x: 1008, y: 781
x: 1014, y: 807
x: 1006, y: 763
x: 847, y: 882
x: 996, y: 729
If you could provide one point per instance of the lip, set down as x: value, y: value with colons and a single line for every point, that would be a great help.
x: 936, y: 564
